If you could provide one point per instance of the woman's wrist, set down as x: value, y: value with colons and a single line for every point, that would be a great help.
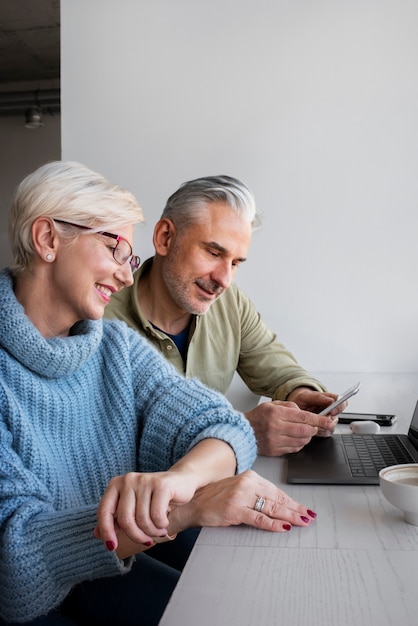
x: 181, y: 518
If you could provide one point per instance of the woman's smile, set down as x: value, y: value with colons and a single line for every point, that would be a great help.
x: 105, y: 291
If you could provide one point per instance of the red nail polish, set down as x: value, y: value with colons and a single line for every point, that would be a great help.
x: 110, y: 546
x: 311, y: 513
x: 304, y: 519
x: 148, y: 543
x: 287, y: 527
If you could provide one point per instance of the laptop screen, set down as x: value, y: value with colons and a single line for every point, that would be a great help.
x: 413, y: 429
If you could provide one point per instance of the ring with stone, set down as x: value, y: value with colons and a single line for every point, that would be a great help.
x: 259, y: 504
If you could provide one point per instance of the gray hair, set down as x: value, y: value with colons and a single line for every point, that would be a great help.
x: 69, y: 191
x: 186, y: 205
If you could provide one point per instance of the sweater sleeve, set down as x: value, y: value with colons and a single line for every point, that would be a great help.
x: 178, y: 413
x: 45, y: 552
x: 208, y: 416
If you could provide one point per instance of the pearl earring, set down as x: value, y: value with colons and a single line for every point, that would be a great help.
x: 49, y: 257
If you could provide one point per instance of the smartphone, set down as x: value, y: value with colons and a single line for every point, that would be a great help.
x: 342, y: 398
x: 379, y: 418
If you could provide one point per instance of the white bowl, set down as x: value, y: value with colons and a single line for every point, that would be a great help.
x: 399, y: 485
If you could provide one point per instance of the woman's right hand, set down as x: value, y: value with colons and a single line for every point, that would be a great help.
x: 138, y: 504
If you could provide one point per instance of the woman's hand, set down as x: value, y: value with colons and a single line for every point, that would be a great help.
x: 231, y: 501
x: 138, y: 505
x: 227, y: 502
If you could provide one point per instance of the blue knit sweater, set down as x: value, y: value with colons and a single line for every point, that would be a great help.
x: 74, y: 412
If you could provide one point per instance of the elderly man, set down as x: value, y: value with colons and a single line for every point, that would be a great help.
x: 185, y: 302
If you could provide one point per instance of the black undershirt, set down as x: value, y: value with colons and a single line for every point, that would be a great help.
x: 181, y: 340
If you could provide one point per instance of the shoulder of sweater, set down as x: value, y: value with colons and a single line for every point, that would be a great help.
x: 118, y: 332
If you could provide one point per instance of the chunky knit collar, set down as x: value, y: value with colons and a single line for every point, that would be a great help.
x: 51, y: 358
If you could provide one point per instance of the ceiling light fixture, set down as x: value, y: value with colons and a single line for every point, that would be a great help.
x: 33, y: 118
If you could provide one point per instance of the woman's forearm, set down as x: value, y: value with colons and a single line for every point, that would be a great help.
x: 210, y: 460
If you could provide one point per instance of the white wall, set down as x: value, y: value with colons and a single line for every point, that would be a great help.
x: 22, y: 150
x: 314, y: 104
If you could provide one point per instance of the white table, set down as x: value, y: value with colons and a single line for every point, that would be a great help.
x: 357, y: 564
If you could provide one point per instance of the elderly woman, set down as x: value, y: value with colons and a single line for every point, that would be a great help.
x: 105, y: 451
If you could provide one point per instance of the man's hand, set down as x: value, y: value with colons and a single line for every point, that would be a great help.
x: 315, y: 401
x: 285, y: 427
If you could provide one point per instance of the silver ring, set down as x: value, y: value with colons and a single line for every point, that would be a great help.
x: 259, y: 504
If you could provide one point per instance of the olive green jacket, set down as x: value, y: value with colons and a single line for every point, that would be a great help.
x: 229, y: 337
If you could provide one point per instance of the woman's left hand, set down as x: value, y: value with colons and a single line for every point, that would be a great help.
x: 232, y: 501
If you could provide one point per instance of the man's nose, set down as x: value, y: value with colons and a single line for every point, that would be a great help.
x: 223, y: 274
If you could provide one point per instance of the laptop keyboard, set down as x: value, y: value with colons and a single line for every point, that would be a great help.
x: 368, y: 454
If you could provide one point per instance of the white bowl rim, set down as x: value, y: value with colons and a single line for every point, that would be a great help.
x: 383, y: 474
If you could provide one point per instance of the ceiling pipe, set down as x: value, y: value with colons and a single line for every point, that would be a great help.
x: 16, y: 103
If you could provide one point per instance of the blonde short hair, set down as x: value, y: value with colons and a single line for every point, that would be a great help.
x: 69, y: 191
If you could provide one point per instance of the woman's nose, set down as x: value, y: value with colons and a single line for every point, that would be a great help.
x: 124, y: 274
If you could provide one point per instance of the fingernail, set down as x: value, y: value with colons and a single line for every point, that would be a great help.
x: 287, y: 527
x: 311, y: 513
x: 304, y: 519
x: 110, y: 546
x: 148, y: 543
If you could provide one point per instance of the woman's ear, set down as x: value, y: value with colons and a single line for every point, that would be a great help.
x: 44, y: 238
x: 164, y: 233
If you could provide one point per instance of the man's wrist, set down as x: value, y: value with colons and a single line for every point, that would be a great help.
x: 295, y: 392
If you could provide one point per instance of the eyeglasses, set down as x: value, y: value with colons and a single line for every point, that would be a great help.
x: 122, y: 252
